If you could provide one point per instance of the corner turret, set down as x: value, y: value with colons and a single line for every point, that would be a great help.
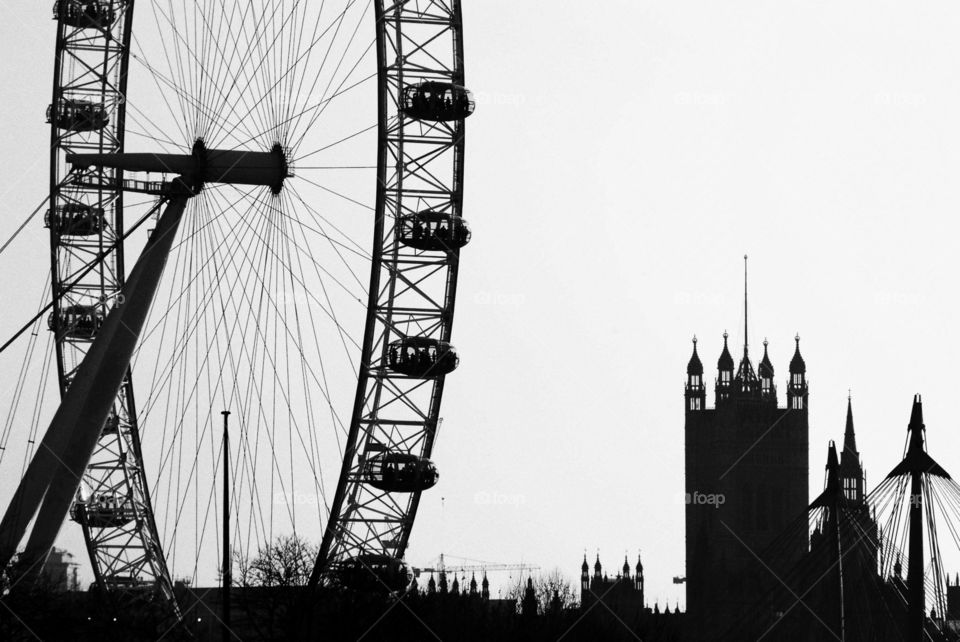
x: 797, y: 388
x: 696, y: 392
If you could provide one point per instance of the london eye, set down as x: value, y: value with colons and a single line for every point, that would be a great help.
x: 254, y: 207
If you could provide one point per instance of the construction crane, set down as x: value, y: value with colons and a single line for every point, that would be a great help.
x: 485, y: 567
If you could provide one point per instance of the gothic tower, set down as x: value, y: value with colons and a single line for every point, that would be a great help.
x: 638, y: 580
x: 851, y: 469
x: 747, y: 470
x: 584, y: 575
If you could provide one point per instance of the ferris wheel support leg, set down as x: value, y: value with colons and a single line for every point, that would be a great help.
x: 55, y: 474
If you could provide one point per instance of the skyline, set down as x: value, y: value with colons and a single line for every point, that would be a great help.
x: 819, y: 140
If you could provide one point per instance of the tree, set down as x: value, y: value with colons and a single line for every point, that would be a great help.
x: 553, y: 589
x: 272, y: 583
x: 285, y: 563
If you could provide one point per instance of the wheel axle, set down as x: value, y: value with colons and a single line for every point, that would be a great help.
x: 235, y: 167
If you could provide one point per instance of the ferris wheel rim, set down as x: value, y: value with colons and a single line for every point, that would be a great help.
x: 153, y: 549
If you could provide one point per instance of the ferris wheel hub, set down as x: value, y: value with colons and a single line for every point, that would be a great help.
x: 233, y: 166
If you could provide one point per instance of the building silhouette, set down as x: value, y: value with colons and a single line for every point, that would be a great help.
x: 623, y: 593
x: 60, y: 571
x: 747, y: 470
x: 614, y: 607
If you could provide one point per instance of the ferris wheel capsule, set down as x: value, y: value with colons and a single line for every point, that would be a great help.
x: 434, y: 231
x: 75, y: 219
x: 84, y: 15
x: 78, y: 115
x: 422, y: 357
x: 401, y: 473
x: 105, y: 511
x: 77, y: 321
x: 437, y: 101
x: 371, y: 573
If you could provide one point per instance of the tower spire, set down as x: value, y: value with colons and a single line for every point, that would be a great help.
x: 746, y: 343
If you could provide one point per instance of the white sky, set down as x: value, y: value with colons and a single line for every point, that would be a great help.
x: 624, y: 156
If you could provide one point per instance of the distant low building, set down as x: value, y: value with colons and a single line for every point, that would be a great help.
x: 622, y: 593
x: 61, y: 571
x: 614, y: 603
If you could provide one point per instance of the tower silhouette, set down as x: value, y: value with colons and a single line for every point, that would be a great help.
x: 747, y: 469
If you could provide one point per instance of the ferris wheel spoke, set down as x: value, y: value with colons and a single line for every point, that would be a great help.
x: 231, y: 70
x: 184, y: 55
x: 363, y: 54
x: 348, y: 245
x: 164, y: 86
x: 293, y: 113
x: 337, y: 194
x: 299, y: 280
x: 174, y: 68
x: 211, y: 55
x: 252, y: 46
x: 294, y: 99
x: 335, y: 143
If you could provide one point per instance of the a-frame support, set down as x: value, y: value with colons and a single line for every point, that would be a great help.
x: 50, y: 483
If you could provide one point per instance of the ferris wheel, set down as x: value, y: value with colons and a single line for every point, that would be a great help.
x: 255, y: 207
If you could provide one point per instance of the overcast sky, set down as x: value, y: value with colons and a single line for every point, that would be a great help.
x: 623, y: 158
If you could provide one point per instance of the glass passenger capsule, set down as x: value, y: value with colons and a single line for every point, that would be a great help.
x: 78, y: 115
x: 401, y: 473
x: 75, y: 219
x: 422, y: 357
x: 83, y: 15
x: 103, y: 511
x: 373, y: 573
x: 432, y: 230
x: 437, y: 101
x: 77, y: 321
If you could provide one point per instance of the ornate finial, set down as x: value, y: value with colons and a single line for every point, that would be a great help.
x: 725, y: 335
x: 765, y: 343
x: 849, y: 395
x: 694, y: 340
x: 797, y: 338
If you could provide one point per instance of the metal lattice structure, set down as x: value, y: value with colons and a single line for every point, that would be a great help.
x: 92, y: 61
x: 234, y: 317
x: 413, y: 293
